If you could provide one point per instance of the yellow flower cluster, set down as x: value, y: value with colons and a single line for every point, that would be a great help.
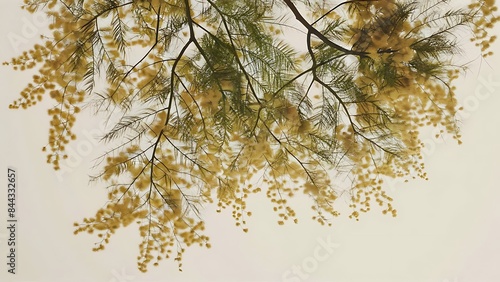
x: 159, y: 226
x: 414, y: 100
x: 59, y: 75
x: 484, y: 21
x: 157, y: 200
x: 202, y: 101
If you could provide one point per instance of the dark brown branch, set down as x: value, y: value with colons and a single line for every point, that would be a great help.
x: 316, y: 32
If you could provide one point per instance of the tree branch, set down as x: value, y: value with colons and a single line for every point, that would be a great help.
x: 316, y: 32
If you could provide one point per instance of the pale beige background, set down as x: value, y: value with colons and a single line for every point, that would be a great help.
x: 448, y: 228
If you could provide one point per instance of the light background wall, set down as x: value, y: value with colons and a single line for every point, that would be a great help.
x: 447, y: 229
